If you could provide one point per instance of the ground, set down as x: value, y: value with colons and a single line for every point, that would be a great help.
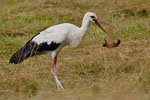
x: 88, y: 72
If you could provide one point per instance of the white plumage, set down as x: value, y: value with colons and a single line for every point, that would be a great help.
x: 66, y: 32
x: 54, y: 38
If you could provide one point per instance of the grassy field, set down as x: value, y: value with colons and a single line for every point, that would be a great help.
x: 88, y: 72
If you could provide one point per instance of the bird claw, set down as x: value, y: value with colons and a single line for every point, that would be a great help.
x: 104, y: 45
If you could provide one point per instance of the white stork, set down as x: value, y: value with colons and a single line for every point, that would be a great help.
x: 53, y: 39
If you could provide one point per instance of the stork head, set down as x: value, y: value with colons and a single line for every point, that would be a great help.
x: 93, y: 18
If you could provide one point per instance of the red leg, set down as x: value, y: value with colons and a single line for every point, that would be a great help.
x: 53, y: 72
x: 53, y: 65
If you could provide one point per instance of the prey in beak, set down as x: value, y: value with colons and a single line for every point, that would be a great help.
x: 110, y: 40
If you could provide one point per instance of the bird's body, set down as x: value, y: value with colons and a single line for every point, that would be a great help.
x: 53, y: 39
x: 62, y: 33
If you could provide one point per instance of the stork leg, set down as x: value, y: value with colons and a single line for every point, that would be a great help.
x: 54, y: 73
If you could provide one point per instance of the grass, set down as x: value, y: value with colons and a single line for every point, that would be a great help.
x: 89, y: 71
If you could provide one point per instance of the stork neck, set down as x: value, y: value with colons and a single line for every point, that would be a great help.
x: 85, y: 25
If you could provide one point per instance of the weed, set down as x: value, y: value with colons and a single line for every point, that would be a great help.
x: 31, y: 88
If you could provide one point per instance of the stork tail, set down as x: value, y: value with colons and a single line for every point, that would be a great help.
x: 29, y: 49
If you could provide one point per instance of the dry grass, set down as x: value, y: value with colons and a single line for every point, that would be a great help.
x: 88, y: 72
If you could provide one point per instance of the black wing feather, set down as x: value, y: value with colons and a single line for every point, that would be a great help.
x: 30, y: 49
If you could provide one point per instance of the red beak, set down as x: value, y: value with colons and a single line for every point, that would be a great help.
x: 99, y: 25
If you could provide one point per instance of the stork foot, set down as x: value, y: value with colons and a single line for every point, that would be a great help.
x: 59, y: 85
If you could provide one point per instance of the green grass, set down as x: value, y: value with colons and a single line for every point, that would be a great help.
x: 88, y: 71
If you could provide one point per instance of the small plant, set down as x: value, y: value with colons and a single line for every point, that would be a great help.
x: 66, y: 18
x: 31, y: 88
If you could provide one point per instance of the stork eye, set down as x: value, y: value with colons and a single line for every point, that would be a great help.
x: 92, y: 16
